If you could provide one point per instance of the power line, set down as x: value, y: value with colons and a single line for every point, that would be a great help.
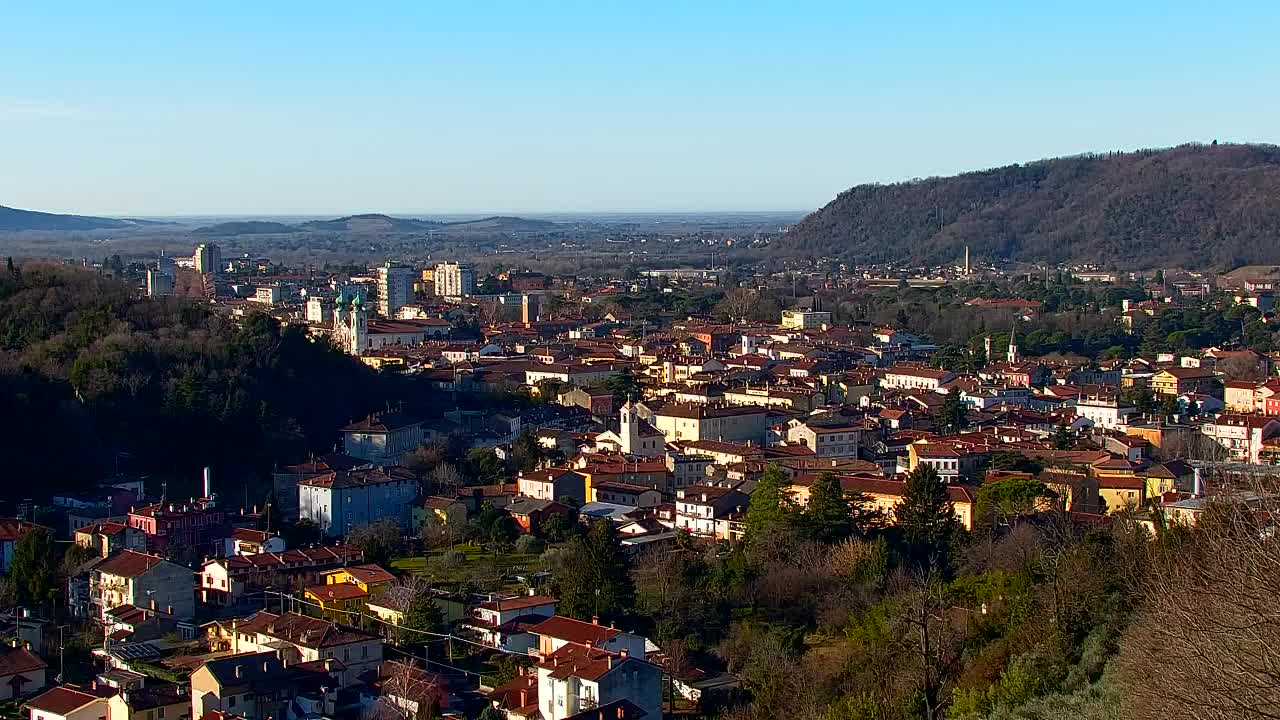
x: 440, y: 637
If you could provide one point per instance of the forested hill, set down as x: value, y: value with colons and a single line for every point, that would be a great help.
x: 1190, y: 206
x: 90, y: 373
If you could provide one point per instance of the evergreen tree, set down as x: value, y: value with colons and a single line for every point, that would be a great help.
x: 33, y: 568
x: 1062, y: 439
x: 953, y: 414
x: 770, y: 507
x: 927, y: 521
x: 595, y: 579
x: 828, y: 518
x: 422, y: 614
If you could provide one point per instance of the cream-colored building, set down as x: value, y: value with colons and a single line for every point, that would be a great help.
x: 298, y: 639
x: 678, y: 421
x: 805, y: 319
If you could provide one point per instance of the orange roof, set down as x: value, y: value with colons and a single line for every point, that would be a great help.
x: 574, y: 631
x: 336, y: 592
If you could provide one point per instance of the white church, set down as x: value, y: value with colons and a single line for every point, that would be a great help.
x: 635, y: 436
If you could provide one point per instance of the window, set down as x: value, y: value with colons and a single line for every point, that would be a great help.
x: 364, y: 651
x: 160, y: 713
x: 231, y: 701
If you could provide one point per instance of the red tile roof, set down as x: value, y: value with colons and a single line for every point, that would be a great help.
x: 580, y: 661
x: 369, y: 574
x: 574, y: 631
x: 62, y: 700
x: 11, y: 529
x: 128, y: 564
x: 19, y: 660
x: 336, y: 592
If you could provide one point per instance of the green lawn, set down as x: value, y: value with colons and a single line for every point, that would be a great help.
x: 478, y: 566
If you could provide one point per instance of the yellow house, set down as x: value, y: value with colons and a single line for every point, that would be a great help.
x: 885, y: 495
x: 337, y: 601
x: 371, y: 579
x: 378, y: 362
x: 1179, y: 381
x: 443, y: 511
x: 346, y: 590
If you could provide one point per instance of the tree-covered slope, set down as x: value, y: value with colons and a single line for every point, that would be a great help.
x: 1190, y: 206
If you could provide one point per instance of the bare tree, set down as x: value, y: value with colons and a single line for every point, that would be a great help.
x: 407, y: 693
x: 930, y: 637
x: 1207, y: 645
x: 739, y: 304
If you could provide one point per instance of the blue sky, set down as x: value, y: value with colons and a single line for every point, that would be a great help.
x: 316, y: 108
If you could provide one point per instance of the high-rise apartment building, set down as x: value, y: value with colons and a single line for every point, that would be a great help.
x: 159, y: 283
x: 395, y: 288
x: 208, y: 259
x: 455, y: 279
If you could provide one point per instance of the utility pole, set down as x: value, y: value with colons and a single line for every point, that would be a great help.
x: 61, y: 646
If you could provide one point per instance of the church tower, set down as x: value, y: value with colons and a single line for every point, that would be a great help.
x: 1013, y: 345
x: 629, y: 429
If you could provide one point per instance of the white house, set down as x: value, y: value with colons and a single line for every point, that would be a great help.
x: 506, y: 624
x: 1106, y: 412
x: 22, y: 672
x: 704, y: 510
x: 67, y: 702
x: 912, y: 378
x: 553, y: 484
x: 339, y: 502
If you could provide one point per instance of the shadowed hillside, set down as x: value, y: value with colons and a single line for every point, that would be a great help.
x: 1189, y: 206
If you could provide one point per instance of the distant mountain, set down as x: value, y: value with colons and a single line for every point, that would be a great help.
x: 14, y: 220
x: 1190, y: 206
x: 372, y: 223
x: 246, y: 227
x: 500, y: 223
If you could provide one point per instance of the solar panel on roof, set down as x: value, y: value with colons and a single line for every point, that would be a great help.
x: 135, y: 651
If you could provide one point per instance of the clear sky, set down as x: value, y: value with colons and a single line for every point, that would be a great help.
x: 485, y: 106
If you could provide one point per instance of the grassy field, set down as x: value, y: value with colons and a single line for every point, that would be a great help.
x: 476, y: 566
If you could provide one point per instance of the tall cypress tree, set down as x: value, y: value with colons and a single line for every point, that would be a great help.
x: 927, y: 521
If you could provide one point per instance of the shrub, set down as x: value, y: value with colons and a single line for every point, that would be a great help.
x: 529, y: 545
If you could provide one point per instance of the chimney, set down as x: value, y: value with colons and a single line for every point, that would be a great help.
x: 239, y: 671
x: 266, y: 666
x: 595, y: 619
x: 524, y: 697
x: 208, y: 482
x: 1198, y: 487
x: 626, y: 653
x: 621, y: 714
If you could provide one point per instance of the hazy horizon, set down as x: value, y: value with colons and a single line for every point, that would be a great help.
x: 290, y: 109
